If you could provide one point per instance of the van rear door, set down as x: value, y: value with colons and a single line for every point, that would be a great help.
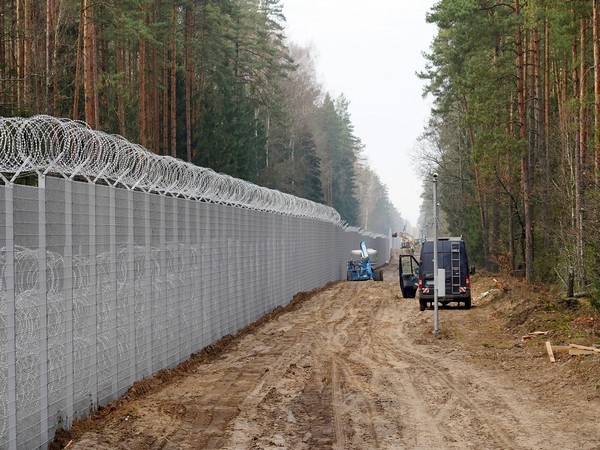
x: 408, y: 269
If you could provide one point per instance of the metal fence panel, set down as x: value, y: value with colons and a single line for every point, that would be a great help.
x: 134, y: 282
x: 28, y: 321
x: 101, y: 286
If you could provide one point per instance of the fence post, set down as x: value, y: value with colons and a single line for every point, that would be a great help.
x: 93, y: 304
x: 147, y: 301
x: 114, y: 337
x: 43, y: 305
x: 11, y: 331
x: 130, y: 289
x: 164, y: 311
x: 68, y: 292
x: 190, y: 329
x: 177, y: 280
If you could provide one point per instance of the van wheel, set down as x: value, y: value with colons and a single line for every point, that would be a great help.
x: 468, y: 303
x: 422, y: 305
x: 379, y: 275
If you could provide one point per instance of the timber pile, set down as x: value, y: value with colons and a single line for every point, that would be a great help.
x: 571, y: 349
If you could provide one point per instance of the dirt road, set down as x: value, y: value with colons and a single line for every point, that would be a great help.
x: 355, y: 366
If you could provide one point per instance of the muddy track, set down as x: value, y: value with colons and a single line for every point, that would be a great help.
x: 355, y: 366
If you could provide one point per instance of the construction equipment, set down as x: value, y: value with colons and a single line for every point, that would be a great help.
x: 361, y: 266
x: 406, y: 240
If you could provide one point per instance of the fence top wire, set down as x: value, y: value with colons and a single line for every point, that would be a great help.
x: 53, y: 145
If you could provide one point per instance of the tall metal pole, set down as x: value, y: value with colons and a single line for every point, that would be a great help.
x: 436, y: 318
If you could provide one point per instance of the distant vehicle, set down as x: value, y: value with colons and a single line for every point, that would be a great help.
x: 418, y: 276
x: 406, y: 240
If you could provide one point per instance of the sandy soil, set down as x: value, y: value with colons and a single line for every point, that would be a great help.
x: 356, y: 366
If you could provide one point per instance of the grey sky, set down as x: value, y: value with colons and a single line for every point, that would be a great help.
x: 370, y: 52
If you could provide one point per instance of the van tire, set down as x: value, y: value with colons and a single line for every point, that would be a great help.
x: 379, y: 275
x: 422, y: 305
x: 468, y: 303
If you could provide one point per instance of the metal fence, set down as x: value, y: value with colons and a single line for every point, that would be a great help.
x: 116, y: 263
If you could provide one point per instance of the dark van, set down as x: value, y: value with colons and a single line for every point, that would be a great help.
x: 418, y: 276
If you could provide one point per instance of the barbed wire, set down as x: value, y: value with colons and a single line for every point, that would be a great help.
x: 70, y: 148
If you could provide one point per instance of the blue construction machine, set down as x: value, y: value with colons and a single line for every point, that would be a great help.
x: 362, y: 267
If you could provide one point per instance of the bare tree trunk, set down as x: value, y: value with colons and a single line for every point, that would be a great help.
x: 536, y: 132
x: 531, y: 102
x: 49, y: 53
x: 525, y: 169
x: 156, y: 103
x: 580, y: 150
x: 94, y: 66
x: 3, y: 46
x: 27, y: 42
x: 582, y: 89
x: 267, y: 142
x: 13, y: 53
x: 511, y: 213
x: 53, y: 17
x: 596, y: 94
x: 154, y: 82
x: 174, y: 86
x: 189, y: 76
x: 203, y: 33
x: 483, y: 217
x: 79, y: 58
x: 38, y: 58
x: 142, y: 92
x: 165, y: 104
x: 327, y: 181
x: 120, y: 66
x: 546, y: 164
x: 20, y: 54
x: 89, y: 65
x: 511, y: 234
x: 56, y: 43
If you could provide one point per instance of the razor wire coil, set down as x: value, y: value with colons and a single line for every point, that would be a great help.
x: 46, y: 144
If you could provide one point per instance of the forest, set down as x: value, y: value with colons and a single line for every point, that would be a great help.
x: 212, y: 82
x: 515, y: 133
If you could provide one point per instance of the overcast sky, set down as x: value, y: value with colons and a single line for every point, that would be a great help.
x: 370, y: 52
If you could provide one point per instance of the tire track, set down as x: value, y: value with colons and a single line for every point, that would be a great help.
x: 430, y: 392
x: 379, y: 409
x: 428, y: 377
x: 336, y: 406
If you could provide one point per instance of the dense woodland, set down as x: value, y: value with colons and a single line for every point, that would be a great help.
x: 515, y: 132
x: 214, y: 82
